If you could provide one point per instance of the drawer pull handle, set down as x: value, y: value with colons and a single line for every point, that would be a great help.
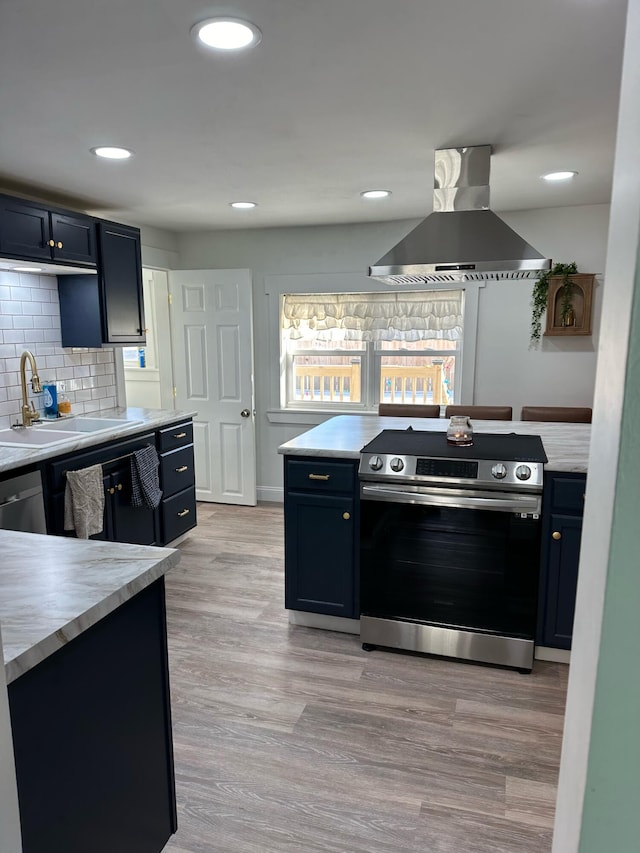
x: 182, y: 468
x: 556, y: 534
x: 346, y: 516
x: 179, y: 435
x: 183, y: 513
x: 319, y: 476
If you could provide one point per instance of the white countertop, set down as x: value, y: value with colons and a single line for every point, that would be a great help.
x: 147, y: 419
x: 52, y: 588
x: 566, y: 445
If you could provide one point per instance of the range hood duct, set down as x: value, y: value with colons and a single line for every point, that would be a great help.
x: 462, y: 240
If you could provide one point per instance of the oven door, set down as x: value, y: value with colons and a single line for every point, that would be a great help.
x: 450, y: 557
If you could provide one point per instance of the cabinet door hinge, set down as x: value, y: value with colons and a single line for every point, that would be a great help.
x: 170, y: 299
x: 175, y: 391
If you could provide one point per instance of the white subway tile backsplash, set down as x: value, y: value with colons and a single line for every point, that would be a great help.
x: 13, y: 336
x: 30, y: 319
x: 54, y: 361
x: 22, y: 321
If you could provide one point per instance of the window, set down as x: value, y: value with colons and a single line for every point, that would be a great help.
x: 355, y: 350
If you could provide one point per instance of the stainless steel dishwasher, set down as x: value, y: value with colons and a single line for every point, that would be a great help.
x: 21, y: 504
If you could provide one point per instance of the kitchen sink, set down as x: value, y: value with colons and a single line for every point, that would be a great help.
x: 46, y: 433
x: 34, y: 437
x: 81, y: 424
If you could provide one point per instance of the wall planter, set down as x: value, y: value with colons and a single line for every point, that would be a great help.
x: 569, y: 305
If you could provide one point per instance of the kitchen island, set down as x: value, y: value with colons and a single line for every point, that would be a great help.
x: 85, y: 656
x: 342, y: 437
x: 322, y: 520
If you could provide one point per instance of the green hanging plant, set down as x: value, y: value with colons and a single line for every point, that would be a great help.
x: 540, y: 292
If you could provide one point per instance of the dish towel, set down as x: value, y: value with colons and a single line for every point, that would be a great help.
x: 84, y: 502
x: 145, y: 484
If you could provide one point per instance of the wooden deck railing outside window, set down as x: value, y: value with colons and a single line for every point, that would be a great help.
x: 342, y: 383
x: 334, y: 382
x: 413, y: 384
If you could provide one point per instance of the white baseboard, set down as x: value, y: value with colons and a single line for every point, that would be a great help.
x: 271, y: 494
x: 328, y: 623
x: 553, y: 655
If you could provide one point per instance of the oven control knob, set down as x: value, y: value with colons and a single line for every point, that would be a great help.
x: 396, y: 464
x: 523, y: 472
x: 499, y: 471
x: 375, y: 463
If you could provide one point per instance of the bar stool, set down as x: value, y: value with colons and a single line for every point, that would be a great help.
x: 562, y: 414
x: 407, y: 410
x: 487, y: 413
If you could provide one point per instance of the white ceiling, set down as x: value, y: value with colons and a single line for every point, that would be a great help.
x: 340, y: 96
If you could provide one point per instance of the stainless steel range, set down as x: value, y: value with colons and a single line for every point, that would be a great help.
x: 450, y: 544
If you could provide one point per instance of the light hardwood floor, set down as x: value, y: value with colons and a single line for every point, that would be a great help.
x: 293, y: 739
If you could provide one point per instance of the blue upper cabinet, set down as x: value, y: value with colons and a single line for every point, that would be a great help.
x: 120, y: 274
x: 107, y: 308
x: 29, y: 231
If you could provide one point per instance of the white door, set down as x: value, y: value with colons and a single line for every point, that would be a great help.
x: 213, y: 371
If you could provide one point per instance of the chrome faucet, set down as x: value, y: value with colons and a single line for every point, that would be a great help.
x: 29, y: 414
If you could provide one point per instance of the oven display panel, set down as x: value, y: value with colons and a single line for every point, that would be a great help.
x: 460, y: 469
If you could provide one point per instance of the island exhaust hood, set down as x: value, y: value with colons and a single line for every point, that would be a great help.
x: 462, y: 240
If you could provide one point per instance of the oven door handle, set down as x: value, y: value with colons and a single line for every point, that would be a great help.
x: 454, y: 498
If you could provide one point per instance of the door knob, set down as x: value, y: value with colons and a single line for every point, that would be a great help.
x: 556, y: 534
x: 346, y: 516
x: 245, y: 413
x: 59, y: 244
x: 51, y: 243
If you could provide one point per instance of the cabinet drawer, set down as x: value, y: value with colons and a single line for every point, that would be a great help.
x: 178, y: 514
x: 567, y: 494
x: 175, y: 436
x: 320, y: 476
x: 176, y: 470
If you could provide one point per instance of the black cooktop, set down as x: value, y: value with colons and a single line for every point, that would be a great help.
x: 499, y: 447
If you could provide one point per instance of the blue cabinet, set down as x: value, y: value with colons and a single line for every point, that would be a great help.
x: 321, y: 536
x: 92, y: 737
x: 106, y: 308
x: 561, y: 533
x: 30, y: 231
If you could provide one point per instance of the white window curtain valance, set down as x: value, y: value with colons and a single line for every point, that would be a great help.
x: 407, y: 316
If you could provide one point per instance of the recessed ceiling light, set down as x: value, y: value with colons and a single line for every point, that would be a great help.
x: 376, y: 193
x: 559, y: 176
x: 226, y: 33
x: 110, y: 152
x: 27, y: 269
x: 243, y: 205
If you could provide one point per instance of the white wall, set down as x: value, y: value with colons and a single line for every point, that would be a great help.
x: 561, y: 371
x: 598, y: 788
x: 558, y: 373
